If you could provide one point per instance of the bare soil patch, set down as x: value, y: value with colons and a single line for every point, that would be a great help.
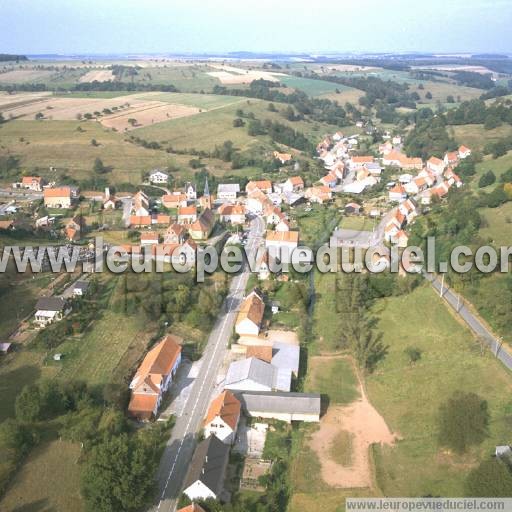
x: 362, y: 423
x: 98, y: 75
x: 229, y: 75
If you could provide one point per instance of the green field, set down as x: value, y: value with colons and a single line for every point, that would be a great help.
x: 203, y: 101
x: 498, y: 224
x: 475, y: 136
x: 496, y: 165
x: 311, y: 86
x: 409, y: 396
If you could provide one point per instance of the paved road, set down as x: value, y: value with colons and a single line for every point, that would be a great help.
x: 180, y: 447
x: 457, y: 303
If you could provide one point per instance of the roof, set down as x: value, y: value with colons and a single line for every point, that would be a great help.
x: 208, y: 464
x: 260, y: 184
x: 192, y: 508
x: 140, y: 220
x: 362, y: 159
x: 57, y: 192
x: 286, y: 356
x: 463, y: 149
x: 228, y: 187
x: 252, y: 308
x: 6, y: 224
x: 173, y: 198
x: 251, y: 369
x: 283, y: 236
x: 225, y: 406
x: 28, y: 180
x: 81, y: 285
x: 187, y: 210
x: 160, y: 360
x: 142, y: 403
x: 435, y: 161
x: 280, y: 402
x: 329, y: 178
x: 296, y: 180
x: 262, y: 352
x: 50, y: 304
x: 232, y: 209
x: 149, y: 236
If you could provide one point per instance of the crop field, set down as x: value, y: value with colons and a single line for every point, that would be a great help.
x: 25, y: 75
x: 476, y: 136
x: 311, y: 86
x: 202, y: 101
x: 98, y: 75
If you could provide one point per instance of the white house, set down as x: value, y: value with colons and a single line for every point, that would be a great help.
x: 158, y: 177
x: 250, y: 315
x: 50, y: 309
x: 222, y: 417
x: 207, y: 470
x: 228, y: 191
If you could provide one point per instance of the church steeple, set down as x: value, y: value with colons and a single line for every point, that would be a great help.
x: 206, y: 188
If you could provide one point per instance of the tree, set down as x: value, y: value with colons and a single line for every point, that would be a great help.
x: 98, y: 166
x: 38, y: 116
x: 132, y: 121
x: 428, y: 95
x: 413, y: 353
x: 491, y: 478
x: 450, y: 99
x: 487, y: 179
x: 463, y: 421
x: 272, y: 107
x: 28, y: 405
x: 116, y: 477
x: 238, y: 122
x: 491, y: 122
x: 94, y: 142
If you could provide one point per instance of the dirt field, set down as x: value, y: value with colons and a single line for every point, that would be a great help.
x: 98, y: 75
x: 24, y: 75
x: 350, y: 67
x: 229, y: 75
x: 147, y: 113
x: 365, y: 426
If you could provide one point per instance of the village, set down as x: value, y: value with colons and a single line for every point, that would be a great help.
x: 255, y: 384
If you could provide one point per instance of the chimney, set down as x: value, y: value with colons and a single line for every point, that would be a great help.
x: 107, y: 193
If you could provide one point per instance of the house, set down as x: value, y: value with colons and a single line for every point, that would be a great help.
x: 274, y: 215
x: 282, y: 157
x: 140, y: 204
x: 286, y: 357
x: 416, y: 186
x: 281, y: 406
x: 161, y: 219
x: 398, y: 159
x: 329, y: 180
x: 250, y: 315
x: 228, y: 191
x: 175, y: 234
x: 320, y: 194
x: 59, y: 197
x: 397, y: 193
x: 452, y: 157
x: 207, y: 470
x: 280, y: 239
x: 153, y: 377
x: 353, y: 208
x: 222, y: 418
x: 257, y: 202
x: 203, y: 226
x: 140, y: 221
x: 293, y: 184
x: 187, y: 214
x: 357, y: 162
x: 264, y: 186
x: 232, y: 213
x: 50, y: 309
x: 464, y: 152
x: 80, y: 288
x: 436, y: 165
x: 190, y: 191
x: 283, y: 225
x: 34, y: 183
x: 175, y: 200
x: 374, y: 169
x: 401, y: 239
x: 109, y: 201
x: 253, y: 374
x: 385, y: 148
x: 158, y: 177
x: 149, y: 238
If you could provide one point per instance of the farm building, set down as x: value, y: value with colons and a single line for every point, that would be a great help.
x: 223, y: 417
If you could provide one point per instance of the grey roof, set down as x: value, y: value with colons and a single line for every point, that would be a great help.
x: 209, y: 464
x: 280, y: 402
x: 254, y: 369
x: 81, y: 285
x: 228, y: 187
x: 50, y: 304
x: 286, y: 356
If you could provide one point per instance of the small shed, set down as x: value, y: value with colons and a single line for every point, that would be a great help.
x: 353, y: 208
x: 5, y: 348
x: 58, y: 357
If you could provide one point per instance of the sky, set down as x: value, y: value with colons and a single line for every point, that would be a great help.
x: 216, y: 26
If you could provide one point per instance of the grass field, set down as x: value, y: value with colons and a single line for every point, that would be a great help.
x: 497, y: 165
x: 476, y: 136
x: 59, y: 144
x: 311, y: 86
x: 347, y: 95
x: 498, y: 224
x: 49, y: 480
x: 203, y: 101
x: 409, y: 396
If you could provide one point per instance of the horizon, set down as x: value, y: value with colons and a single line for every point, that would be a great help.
x: 92, y: 28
